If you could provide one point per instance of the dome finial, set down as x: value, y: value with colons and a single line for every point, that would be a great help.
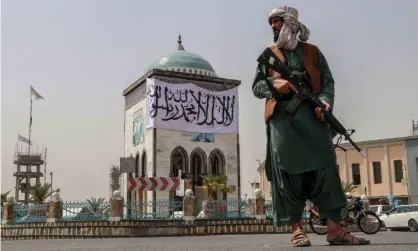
x: 180, y: 48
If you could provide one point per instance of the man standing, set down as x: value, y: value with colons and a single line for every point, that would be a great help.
x: 301, y: 161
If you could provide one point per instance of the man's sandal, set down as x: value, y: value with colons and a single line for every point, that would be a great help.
x: 340, y: 241
x: 300, y: 239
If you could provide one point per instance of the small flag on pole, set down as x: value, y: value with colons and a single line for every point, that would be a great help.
x: 35, y: 94
x: 23, y: 139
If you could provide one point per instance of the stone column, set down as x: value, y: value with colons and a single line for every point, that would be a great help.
x: 259, y: 205
x: 189, y: 206
x: 8, y: 211
x: 116, y: 204
x: 54, y: 209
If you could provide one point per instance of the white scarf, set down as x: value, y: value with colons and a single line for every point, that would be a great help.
x: 288, y: 37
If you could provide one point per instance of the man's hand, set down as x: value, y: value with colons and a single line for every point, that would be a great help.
x: 283, y: 86
x: 319, y: 112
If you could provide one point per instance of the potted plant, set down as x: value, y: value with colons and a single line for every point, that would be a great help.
x: 213, y: 207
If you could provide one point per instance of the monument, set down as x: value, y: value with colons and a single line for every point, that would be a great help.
x: 181, y: 119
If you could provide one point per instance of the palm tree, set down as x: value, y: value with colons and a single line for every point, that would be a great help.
x: 40, y: 192
x: 348, y: 187
x: 97, y: 208
x: 96, y: 204
x: 215, y: 183
x: 4, y: 197
x: 38, y: 195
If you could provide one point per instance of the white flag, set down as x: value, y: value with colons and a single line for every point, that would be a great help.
x: 35, y: 94
x: 23, y: 139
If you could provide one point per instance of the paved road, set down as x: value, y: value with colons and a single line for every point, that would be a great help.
x: 391, y: 241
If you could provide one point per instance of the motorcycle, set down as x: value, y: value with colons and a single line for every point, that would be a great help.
x: 355, y: 215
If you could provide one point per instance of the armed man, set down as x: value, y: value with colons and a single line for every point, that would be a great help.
x: 301, y: 161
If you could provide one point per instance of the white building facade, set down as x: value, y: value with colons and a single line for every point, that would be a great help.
x: 169, y: 153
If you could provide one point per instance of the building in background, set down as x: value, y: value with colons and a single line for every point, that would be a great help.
x: 162, y: 148
x: 265, y: 185
x: 389, y: 169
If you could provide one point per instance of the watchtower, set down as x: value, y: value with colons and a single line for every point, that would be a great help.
x: 28, y: 168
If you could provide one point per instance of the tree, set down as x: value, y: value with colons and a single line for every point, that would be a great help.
x: 348, y: 187
x: 4, y: 197
x: 40, y: 192
x: 97, y: 208
x: 213, y: 184
x: 96, y: 204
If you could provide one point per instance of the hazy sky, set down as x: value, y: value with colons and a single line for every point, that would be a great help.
x: 81, y: 54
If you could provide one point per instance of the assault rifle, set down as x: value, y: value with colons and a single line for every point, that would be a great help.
x: 303, y: 86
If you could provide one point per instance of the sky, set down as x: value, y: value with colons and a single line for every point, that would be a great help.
x: 80, y: 55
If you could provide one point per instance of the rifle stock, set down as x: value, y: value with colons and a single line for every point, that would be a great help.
x: 303, y: 85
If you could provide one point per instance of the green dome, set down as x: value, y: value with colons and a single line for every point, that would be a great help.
x: 183, y: 61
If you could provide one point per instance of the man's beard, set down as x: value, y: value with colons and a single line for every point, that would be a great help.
x: 276, y: 34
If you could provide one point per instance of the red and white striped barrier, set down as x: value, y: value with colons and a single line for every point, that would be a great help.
x: 153, y: 184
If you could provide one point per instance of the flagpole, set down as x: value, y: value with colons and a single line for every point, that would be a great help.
x: 45, y: 166
x: 30, y: 123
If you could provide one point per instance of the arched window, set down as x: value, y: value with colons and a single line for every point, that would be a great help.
x: 198, y: 166
x: 217, y: 162
x: 179, y: 161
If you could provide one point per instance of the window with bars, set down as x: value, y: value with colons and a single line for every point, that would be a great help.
x: 377, y: 172
x: 356, y: 173
x: 398, y: 170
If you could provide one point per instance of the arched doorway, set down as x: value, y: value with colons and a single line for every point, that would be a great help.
x: 198, y: 168
x: 217, y: 165
x: 179, y: 161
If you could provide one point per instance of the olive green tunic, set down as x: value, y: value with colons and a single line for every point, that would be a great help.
x: 301, y: 162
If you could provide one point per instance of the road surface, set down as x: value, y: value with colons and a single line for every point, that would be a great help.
x: 390, y: 241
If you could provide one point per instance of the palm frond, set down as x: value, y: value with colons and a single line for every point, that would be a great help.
x: 348, y: 187
x: 4, y: 196
x: 40, y: 192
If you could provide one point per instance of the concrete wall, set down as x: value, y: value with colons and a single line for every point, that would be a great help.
x: 412, y: 166
x: 103, y: 229
x: 144, y: 147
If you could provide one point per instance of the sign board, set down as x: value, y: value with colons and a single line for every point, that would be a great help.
x: 127, y: 165
x: 153, y: 184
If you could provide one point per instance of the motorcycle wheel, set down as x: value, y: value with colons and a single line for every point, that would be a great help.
x: 317, y: 229
x: 367, y: 216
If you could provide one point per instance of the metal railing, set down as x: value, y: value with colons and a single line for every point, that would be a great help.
x: 138, y: 210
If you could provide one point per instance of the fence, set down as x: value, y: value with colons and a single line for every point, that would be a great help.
x: 135, y: 210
